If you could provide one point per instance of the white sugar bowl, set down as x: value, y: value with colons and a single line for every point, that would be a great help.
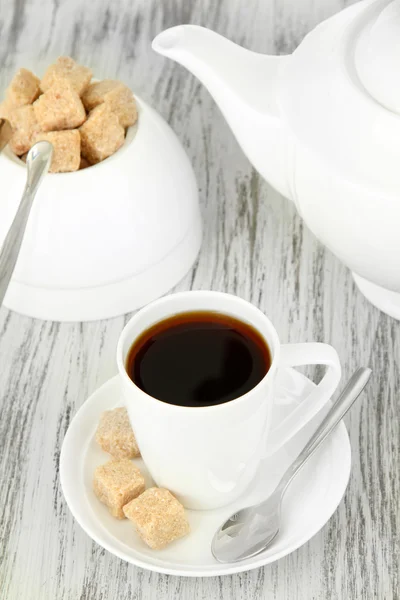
x: 108, y: 239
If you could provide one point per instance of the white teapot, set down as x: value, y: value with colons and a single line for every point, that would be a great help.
x: 322, y: 125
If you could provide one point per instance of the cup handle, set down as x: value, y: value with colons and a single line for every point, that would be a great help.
x: 295, y: 355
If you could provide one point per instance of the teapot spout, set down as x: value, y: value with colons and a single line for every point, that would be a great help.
x: 244, y: 85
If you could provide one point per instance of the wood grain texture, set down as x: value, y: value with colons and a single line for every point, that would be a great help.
x: 256, y: 246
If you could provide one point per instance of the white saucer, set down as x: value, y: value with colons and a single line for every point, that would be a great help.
x: 309, y: 502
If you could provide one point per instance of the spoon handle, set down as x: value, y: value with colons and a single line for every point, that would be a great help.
x: 38, y: 162
x: 346, y: 399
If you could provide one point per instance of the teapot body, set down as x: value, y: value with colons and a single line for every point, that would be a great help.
x: 321, y: 125
x: 344, y: 145
x: 358, y: 223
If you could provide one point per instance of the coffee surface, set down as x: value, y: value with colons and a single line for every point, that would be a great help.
x: 198, y: 359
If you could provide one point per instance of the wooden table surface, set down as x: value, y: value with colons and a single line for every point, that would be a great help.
x: 256, y: 246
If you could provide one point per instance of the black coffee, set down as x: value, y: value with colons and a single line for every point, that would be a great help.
x: 198, y: 359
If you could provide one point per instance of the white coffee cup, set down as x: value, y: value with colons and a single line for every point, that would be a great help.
x: 207, y: 456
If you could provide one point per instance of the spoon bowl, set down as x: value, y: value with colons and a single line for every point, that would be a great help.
x: 250, y: 530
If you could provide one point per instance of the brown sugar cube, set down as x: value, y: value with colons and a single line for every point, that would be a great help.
x: 118, y: 97
x: 23, y: 89
x: 101, y: 135
x: 25, y: 129
x: 66, y: 68
x: 116, y: 483
x: 5, y: 109
x: 114, y: 434
x: 158, y: 517
x: 59, y: 108
x: 66, y: 150
x: 5, y: 133
x: 84, y: 164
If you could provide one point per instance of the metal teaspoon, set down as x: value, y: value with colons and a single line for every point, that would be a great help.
x: 251, y: 530
x: 37, y: 163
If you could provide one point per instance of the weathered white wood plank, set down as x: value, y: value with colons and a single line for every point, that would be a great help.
x: 255, y: 245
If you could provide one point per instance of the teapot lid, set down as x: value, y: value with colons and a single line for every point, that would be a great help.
x: 377, y: 55
x: 340, y: 94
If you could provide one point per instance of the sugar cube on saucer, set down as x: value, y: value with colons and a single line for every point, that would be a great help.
x: 158, y: 517
x: 115, y: 436
x: 116, y: 483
